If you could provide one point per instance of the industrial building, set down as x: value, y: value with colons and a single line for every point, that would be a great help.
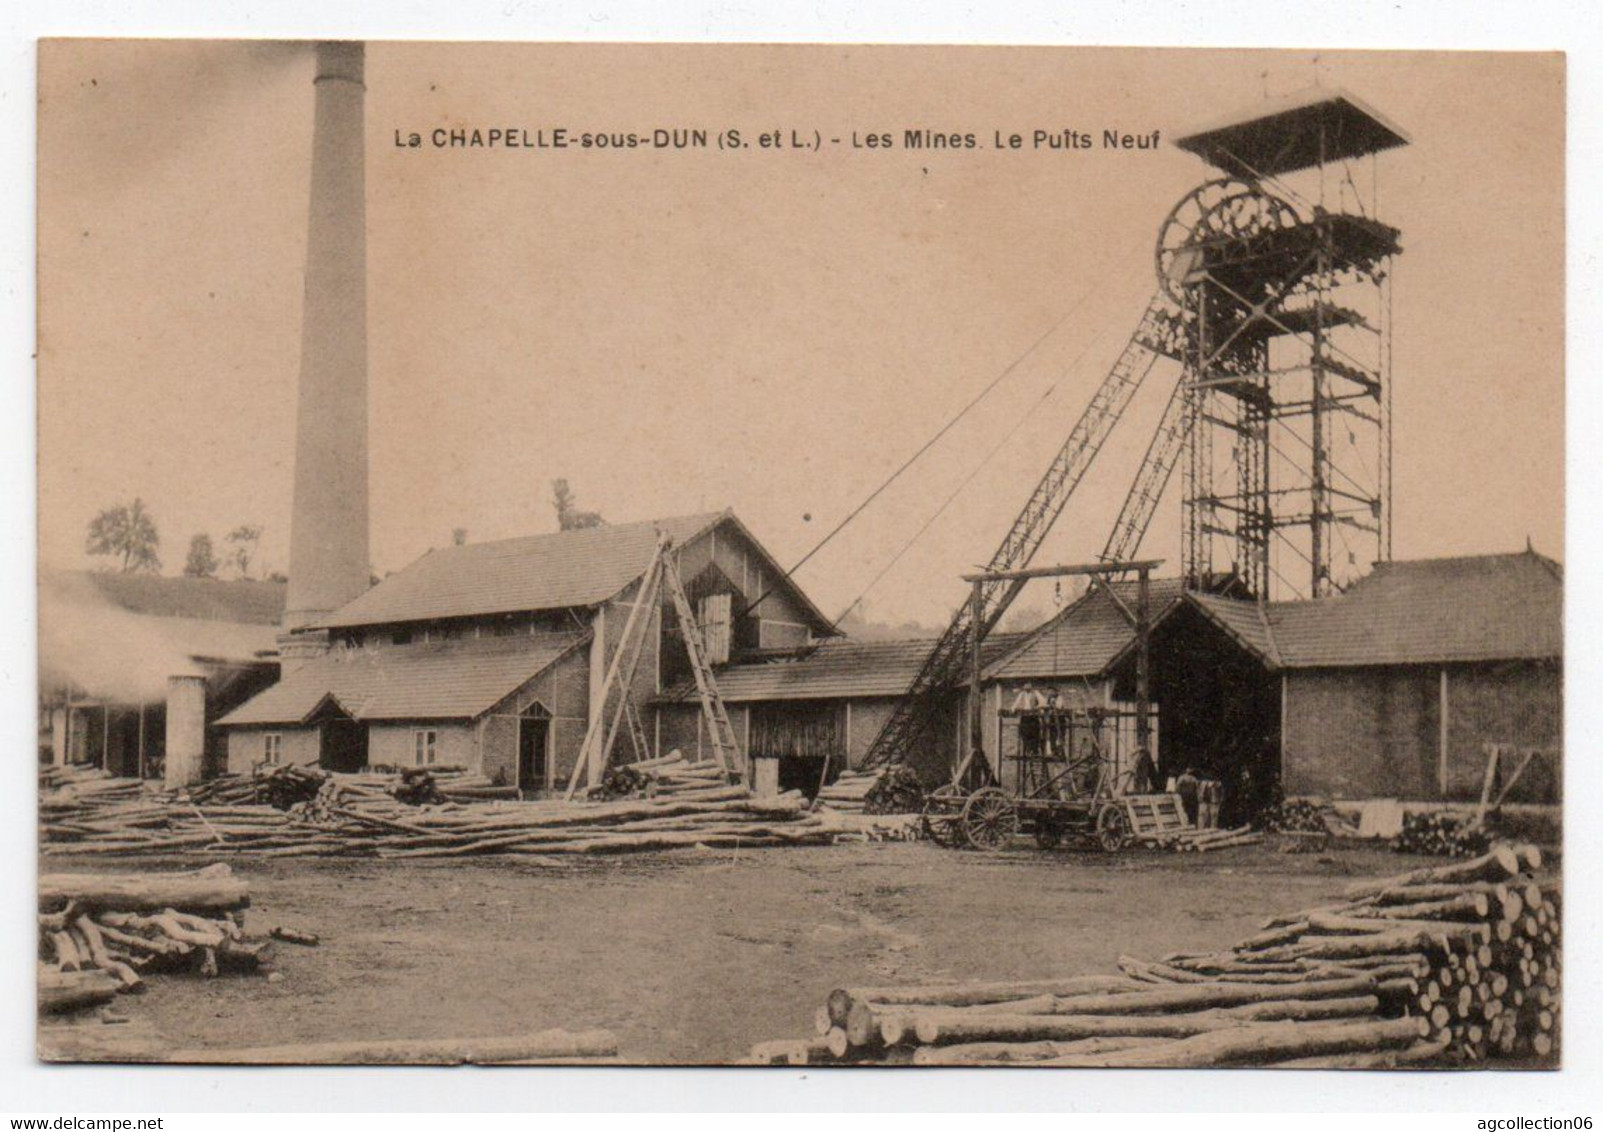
x: 1392, y: 689
x: 492, y: 655
x: 127, y: 661
x: 817, y: 709
x: 1274, y: 317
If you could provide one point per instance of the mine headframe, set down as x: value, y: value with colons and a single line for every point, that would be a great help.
x: 1275, y: 299
x: 1282, y: 273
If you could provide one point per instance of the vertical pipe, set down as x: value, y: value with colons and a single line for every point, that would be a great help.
x: 186, y: 730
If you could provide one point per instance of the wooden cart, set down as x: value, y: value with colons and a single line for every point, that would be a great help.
x: 1065, y: 784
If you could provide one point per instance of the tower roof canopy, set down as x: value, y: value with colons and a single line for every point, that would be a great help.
x: 1294, y: 133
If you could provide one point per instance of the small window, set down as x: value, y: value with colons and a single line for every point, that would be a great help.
x: 272, y: 748
x: 424, y: 747
x: 401, y: 637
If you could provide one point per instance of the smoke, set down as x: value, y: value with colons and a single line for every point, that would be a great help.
x: 102, y: 651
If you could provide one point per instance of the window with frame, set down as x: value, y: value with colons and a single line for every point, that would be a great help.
x: 272, y: 748
x: 425, y: 745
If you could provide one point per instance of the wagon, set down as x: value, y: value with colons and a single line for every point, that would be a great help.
x: 1066, y: 784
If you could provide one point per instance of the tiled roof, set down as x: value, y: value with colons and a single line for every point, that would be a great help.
x: 435, y: 680
x: 1246, y: 621
x: 835, y: 669
x: 1439, y: 610
x: 551, y: 571
x: 1086, y: 637
x: 245, y: 602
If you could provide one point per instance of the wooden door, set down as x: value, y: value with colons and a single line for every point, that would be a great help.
x: 534, y: 733
x: 344, y: 746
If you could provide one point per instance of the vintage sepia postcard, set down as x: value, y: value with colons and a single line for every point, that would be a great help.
x: 563, y: 554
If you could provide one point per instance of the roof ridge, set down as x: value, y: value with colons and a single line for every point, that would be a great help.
x: 1522, y: 552
x: 602, y: 528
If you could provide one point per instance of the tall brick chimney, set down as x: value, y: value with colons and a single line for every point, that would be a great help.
x: 328, y: 552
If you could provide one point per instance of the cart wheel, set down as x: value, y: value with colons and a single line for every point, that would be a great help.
x: 990, y: 820
x: 942, y: 817
x: 1048, y: 836
x: 944, y: 831
x: 1113, y: 829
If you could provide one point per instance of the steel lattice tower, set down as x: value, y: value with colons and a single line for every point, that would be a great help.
x: 1282, y: 270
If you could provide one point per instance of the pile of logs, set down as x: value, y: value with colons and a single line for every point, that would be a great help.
x: 100, y: 934
x: 1441, y: 834
x: 848, y: 794
x: 544, y: 1047
x: 894, y: 791
x: 897, y: 790
x: 284, y: 787
x: 1193, y: 840
x: 87, y: 786
x: 1454, y: 964
x: 417, y: 787
x: 686, y: 805
x: 1293, y: 815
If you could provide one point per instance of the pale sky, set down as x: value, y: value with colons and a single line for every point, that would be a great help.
x: 770, y: 331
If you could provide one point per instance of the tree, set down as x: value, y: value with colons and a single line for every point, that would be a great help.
x: 126, y: 532
x: 243, y: 542
x: 569, y: 517
x: 202, y: 562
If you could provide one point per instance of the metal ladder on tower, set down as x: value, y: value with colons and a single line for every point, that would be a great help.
x: 725, y: 749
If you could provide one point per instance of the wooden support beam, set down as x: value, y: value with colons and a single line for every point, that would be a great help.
x: 1088, y: 568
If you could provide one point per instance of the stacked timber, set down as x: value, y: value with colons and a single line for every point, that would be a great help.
x: 1456, y: 964
x: 1305, y: 815
x: 1441, y: 834
x: 87, y: 788
x: 848, y: 794
x: 544, y: 1047
x: 686, y: 805
x: 224, y: 790
x: 897, y: 790
x: 100, y: 934
x: 1193, y: 840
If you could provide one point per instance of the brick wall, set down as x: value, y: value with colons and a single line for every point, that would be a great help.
x: 1520, y: 703
x: 1361, y: 733
x: 1376, y: 732
x: 563, y: 691
x: 679, y: 727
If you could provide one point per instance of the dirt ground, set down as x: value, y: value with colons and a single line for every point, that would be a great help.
x: 693, y: 956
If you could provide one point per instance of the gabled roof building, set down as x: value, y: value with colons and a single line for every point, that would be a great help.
x: 492, y: 656
x: 1391, y: 689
